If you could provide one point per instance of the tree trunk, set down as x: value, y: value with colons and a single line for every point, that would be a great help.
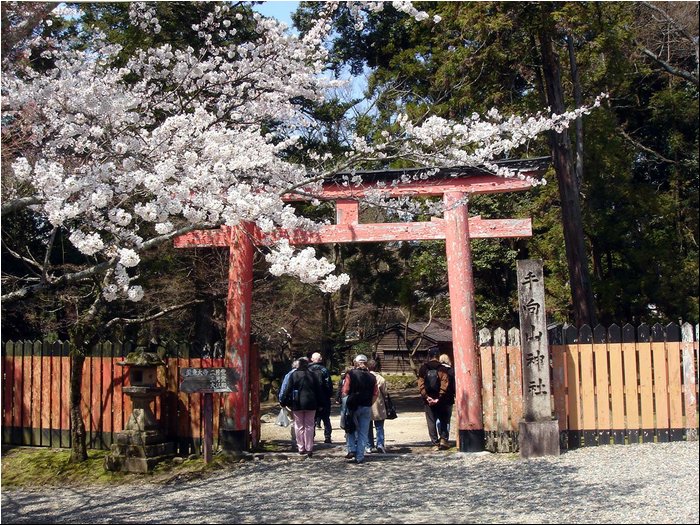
x: 78, y: 451
x: 578, y: 101
x: 328, y: 327
x: 582, y: 293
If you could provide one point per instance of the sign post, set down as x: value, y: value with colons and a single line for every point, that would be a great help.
x: 207, y: 381
x: 539, y: 430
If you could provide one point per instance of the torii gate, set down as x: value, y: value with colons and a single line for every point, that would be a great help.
x: 456, y: 228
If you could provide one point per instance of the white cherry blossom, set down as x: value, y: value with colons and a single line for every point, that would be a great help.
x: 124, y: 164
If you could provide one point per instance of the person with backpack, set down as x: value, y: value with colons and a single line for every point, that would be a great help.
x: 302, y: 394
x: 359, y: 392
x: 434, y: 384
x: 323, y: 413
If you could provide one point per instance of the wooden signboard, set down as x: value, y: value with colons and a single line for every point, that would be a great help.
x: 207, y: 380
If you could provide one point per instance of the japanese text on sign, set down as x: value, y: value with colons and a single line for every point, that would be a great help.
x: 194, y: 380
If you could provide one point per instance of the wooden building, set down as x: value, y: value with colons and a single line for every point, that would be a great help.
x: 394, y: 344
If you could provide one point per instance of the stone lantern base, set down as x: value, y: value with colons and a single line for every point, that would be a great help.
x: 139, y: 451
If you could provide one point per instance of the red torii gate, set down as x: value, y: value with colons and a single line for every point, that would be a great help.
x: 456, y: 228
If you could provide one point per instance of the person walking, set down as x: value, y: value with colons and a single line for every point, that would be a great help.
x: 433, y: 384
x: 378, y: 410
x: 359, y: 390
x: 303, y: 394
x: 323, y: 413
x: 285, y: 382
x: 451, y: 389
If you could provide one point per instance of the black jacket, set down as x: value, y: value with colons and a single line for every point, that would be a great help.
x: 362, y: 384
x: 308, y: 388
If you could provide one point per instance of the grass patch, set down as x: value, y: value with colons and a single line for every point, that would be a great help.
x: 30, y: 467
x: 26, y: 467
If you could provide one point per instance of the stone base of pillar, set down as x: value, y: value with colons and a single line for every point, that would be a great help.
x: 538, y: 438
x: 472, y: 440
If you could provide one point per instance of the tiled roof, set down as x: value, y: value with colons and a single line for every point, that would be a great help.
x: 439, y: 330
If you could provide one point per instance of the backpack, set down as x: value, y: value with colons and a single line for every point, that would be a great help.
x: 324, y: 378
x: 432, y: 382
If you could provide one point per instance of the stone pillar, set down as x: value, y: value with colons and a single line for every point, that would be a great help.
x: 234, y: 425
x: 461, y: 284
x: 539, y: 430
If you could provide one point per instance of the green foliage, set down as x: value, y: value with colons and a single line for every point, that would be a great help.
x: 395, y: 382
x: 639, y: 193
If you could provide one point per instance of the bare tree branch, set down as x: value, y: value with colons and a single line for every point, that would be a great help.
x: 670, y: 20
x: 153, y: 317
x: 414, y: 348
x: 52, y: 238
x: 95, y: 270
x: 641, y: 146
x: 670, y: 69
x: 30, y: 262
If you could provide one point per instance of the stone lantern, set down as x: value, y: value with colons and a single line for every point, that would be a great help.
x: 142, y: 444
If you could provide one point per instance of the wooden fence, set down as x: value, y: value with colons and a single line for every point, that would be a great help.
x: 35, y: 400
x: 609, y: 385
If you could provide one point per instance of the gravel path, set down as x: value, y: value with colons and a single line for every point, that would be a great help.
x: 650, y: 483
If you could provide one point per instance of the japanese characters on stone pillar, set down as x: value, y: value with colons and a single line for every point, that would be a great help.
x: 535, y: 347
x: 538, y: 431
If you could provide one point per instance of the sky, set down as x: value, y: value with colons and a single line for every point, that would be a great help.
x: 280, y: 10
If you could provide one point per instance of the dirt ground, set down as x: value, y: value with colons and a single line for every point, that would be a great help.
x: 407, y: 433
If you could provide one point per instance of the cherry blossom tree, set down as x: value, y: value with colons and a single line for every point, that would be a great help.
x: 123, y: 158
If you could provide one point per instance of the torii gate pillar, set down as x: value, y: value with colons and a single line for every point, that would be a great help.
x: 471, y: 437
x: 234, y: 421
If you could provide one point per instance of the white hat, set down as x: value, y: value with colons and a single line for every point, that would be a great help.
x: 361, y: 358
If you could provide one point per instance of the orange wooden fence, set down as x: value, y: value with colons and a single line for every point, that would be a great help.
x: 609, y: 385
x: 35, y: 404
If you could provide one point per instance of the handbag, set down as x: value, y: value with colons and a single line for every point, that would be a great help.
x: 353, y: 401
x: 347, y: 419
x: 390, y: 408
x: 282, y: 418
x: 350, y: 426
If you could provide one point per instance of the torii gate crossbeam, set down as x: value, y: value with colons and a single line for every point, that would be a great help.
x: 456, y: 228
